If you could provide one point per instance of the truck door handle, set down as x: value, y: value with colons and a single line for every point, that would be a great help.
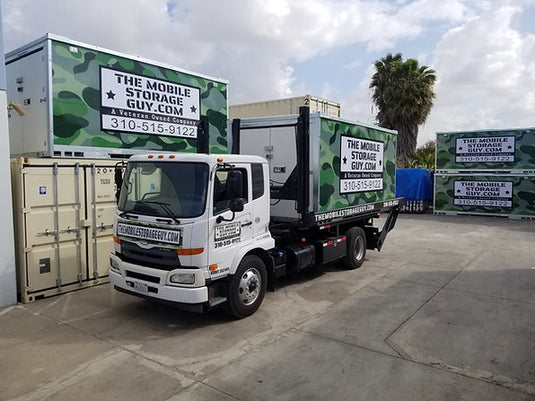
x: 247, y: 224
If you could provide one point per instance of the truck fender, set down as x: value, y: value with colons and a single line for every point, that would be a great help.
x: 262, y: 254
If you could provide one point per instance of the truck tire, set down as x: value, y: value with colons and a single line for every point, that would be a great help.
x: 356, y: 248
x: 246, y: 289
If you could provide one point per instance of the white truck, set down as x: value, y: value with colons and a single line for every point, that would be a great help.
x: 201, y: 231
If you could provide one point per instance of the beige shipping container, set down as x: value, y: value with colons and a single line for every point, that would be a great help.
x: 284, y: 107
x: 63, y: 216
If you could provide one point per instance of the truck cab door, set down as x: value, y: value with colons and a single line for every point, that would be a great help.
x: 230, y: 217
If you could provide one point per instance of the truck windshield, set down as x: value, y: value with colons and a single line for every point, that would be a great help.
x: 163, y: 189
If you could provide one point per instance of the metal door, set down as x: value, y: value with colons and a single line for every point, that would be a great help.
x: 53, y: 210
x: 100, y: 194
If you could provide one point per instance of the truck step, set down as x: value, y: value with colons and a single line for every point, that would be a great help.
x: 216, y: 301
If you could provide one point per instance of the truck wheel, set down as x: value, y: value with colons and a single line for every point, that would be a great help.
x: 356, y: 248
x: 246, y: 290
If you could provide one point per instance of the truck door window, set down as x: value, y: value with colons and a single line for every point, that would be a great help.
x: 221, y: 197
x: 257, y: 176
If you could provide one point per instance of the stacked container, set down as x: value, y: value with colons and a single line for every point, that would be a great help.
x: 486, y: 173
x: 73, y: 108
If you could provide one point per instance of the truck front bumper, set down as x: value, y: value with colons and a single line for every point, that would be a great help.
x: 134, y: 279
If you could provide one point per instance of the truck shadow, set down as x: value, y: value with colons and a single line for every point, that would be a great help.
x: 169, y: 320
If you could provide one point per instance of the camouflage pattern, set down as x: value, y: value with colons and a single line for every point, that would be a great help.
x: 523, y: 195
x: 524, y: 152
x: 76, y: 102
x: 330, y: 196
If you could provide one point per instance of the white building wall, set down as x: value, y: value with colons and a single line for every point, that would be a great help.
x: 8, y: 285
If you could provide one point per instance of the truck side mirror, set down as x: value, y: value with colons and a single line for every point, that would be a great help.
x: 235, y: 184
x: 118, y: 178
x: 236, y: 205
x: 234, y: 192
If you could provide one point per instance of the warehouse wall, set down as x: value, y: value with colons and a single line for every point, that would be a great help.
x: 8, y: 287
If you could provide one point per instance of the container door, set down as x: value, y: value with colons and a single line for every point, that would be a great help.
x: 278, y: 146
x: 101, y: 208
x: 54, y: 250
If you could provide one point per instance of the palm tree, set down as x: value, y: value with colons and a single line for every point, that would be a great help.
x: 403, y: 94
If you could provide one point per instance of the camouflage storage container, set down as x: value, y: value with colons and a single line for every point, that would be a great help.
x: 78, y: 100
x: 497, y: 195
x: 350, y: 166
x: 356, y: 163
x: 492, y: 151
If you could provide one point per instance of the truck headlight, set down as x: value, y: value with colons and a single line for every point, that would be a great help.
x: 114, y: 265
x: 183, y: 278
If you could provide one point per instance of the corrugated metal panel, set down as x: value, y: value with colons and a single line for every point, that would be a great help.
x: 63, y: 224
x: 284, y: 107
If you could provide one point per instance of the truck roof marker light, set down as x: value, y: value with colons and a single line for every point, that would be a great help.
x: 172, y: 156
x: 213, y: 267
x: 189, y: 252
x: 150, y: 156
x: 116, y: 240
x: 220, y: 160
x: 160, y: 156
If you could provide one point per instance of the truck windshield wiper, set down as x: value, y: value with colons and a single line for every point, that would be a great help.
x: 128, y: 214
x: 165, y: 207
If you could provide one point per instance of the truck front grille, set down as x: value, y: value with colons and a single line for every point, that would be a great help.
x: 157, y: 258
x: 145, y: 277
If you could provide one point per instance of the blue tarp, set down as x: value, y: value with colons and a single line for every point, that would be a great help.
x: 414, y: 184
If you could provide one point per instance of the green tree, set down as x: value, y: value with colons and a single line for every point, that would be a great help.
x: 403, y: 93
x: 424, y: 157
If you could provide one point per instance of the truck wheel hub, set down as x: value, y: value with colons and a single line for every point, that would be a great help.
x: 249, y: 287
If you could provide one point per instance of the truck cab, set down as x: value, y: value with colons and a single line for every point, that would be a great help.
x: 193, y: 229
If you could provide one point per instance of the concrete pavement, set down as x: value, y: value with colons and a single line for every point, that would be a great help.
x: 446, y: 311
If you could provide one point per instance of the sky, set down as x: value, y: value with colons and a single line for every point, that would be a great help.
x: 483, y: 51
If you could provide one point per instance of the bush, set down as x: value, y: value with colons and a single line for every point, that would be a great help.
x: 424, y: 157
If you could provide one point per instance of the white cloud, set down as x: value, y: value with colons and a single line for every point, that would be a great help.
x: 486, y: 73
x: 274, y: 31
x: 357, y: 105
x: 485, y: 67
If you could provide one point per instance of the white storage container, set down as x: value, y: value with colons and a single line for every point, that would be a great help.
x: 280, y: 107
x: 63, y: 215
